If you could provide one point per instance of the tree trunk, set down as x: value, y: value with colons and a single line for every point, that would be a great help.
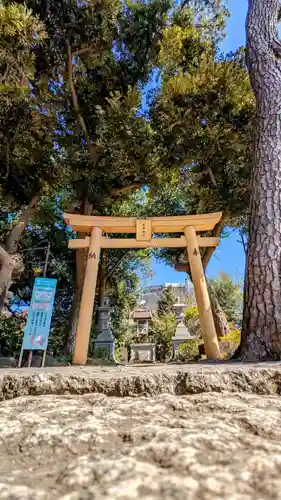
x: 69, y: 345
x: 11, y: 262
x: 6, y: 272
x: 261, y: 331
x: 81, y: 262
x: 221, y: 324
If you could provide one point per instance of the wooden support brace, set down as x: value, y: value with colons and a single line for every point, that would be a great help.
x: 201, y: 294
x: 153, y: 243
x: 87, y: 302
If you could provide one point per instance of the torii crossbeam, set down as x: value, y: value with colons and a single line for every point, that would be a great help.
x: 189, y: 225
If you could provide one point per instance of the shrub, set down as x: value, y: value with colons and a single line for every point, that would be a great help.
x: 191, y: 320
x: 127, y: 334
x: 189, y: 350
x: 161, y: 331
x: 11, y: 334
x: 234, y: 335
x: 230, y: 342
x: 230, y: 297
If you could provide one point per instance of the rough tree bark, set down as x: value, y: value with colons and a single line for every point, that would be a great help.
x: 221, y: 324
x: 261, y: 331
x: 10, y: 261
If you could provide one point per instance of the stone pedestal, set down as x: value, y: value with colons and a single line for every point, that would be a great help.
x: 143, y: 353
x: 176, y: 343
x: 182, y: 334
x: 105, y: 338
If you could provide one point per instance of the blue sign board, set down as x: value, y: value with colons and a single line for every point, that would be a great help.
x: 36, y: 332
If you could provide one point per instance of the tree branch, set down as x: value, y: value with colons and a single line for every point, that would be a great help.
x: 185, y: 267
x: 14, y: 236
x: 7, y: 161
x: 244, y: 244
x: 80, y: 52
x: 212, y: 177
x: 182, y: 268
x: 8, y: 148
x: 4, y: 256
x: 116, y: 265
x: 75, y: 98
x: 209, y: 251
x: 126, y: 189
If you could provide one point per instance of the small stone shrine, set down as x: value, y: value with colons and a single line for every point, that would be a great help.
x: 142, y: 352
x: 182, y: 333
x: 141, y: 317
x: 105, y: 337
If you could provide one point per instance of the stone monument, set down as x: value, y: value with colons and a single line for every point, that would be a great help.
x: 182, y: 333
x: 105, y: 337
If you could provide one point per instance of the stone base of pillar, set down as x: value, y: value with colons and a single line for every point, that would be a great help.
x: 143, y: 353
x: 176, y: 343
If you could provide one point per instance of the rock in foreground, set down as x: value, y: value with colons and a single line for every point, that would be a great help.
x: 206, y: 446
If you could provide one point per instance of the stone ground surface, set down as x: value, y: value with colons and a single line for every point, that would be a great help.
x: 204, y: 432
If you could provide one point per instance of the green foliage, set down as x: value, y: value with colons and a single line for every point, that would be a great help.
x: 48, y: 227
x: 11, y: 334
x: 230, y: 342
x: 230, y: 297
x: 126, y: 334
x: 166, y: 302
x: 191, y: 320
x: 189, y: 350
x: 161, y: 330
x: 20, y: 32
x: 123, y: 300
x: 204, y: 119
x: 27, y: 110
x: 233, y: 335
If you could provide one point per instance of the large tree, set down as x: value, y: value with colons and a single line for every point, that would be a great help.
x: 261, y: 332
x: 29, y: 165
x: 80, y: 95
x: 202, y: 119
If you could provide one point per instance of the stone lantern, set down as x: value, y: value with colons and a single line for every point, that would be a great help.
x: 182, y: 333
x: 105, y: 337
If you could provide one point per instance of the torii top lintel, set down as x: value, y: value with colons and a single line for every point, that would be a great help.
x: 85, y: 223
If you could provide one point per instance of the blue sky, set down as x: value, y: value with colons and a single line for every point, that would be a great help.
x: 229, y: 256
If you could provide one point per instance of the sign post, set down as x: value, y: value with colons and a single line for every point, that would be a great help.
x: 37, y: 330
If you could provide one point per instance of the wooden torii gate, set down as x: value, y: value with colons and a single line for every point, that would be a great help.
x: 190, y: 225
